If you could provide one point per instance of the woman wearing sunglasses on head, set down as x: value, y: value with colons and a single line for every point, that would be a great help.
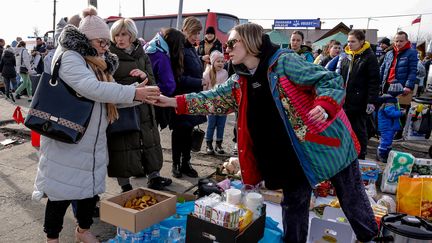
x: 292, y: 132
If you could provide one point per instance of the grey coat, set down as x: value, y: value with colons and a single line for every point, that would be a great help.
x: 78, y: 171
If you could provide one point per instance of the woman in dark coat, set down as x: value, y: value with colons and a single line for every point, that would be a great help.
x: 7, y: 69
x: 360, y: 71
x: 190, y: 81
x: 134, y: 153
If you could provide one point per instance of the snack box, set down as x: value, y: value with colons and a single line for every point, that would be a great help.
x: 113, y: 212
x: 200, y: 230
x: 369, y: 170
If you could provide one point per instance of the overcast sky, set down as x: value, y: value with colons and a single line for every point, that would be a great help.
x: 20, y: 18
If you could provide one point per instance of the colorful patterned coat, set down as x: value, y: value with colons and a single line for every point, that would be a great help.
x: 297, y: 86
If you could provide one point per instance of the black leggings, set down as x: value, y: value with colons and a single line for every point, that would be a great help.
x: 181, y: 144
x: 56, y: 210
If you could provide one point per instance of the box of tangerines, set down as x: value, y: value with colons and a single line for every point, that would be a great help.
x: 137, y: 209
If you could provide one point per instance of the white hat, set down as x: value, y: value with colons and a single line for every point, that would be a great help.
x: 93, y: 26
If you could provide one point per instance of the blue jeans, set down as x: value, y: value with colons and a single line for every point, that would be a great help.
x: 9, y: 84
x: 352, y: 197
x: 215, y: 122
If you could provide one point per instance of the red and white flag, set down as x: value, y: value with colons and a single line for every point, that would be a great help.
x: 416, y: 20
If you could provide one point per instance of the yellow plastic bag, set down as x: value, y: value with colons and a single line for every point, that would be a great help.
x: 414, y: 196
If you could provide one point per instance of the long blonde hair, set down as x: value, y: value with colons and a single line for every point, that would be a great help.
x: 210, y: 69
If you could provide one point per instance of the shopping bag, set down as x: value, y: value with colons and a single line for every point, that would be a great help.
x: 398, y: 164
x: 422, y: 167
x: 414, y: 196
x: 197, y: 139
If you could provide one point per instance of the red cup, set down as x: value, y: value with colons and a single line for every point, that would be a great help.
x: 35, y: 139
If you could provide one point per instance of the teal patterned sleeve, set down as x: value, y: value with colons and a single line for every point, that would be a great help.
x: 220, y: 100
x: 326, y: 83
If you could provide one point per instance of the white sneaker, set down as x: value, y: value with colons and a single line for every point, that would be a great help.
x: 234, y: 149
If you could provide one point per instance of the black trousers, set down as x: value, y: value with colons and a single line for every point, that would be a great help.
x: 352, y: 197
x: 358, y: 123
x: 56, y: 210
x: 181, y: 144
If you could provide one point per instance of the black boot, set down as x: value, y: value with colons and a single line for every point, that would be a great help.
x: 159, y: 183
x: 176, y: 170
x: 186, y: 168
x: 219, y: 149
x: 209, y: 149
x: 126, y: 188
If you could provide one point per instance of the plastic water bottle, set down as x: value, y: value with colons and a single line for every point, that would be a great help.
x: 155, y: 236
x: 138, y: 237
x: 176, y: 235
x: 124, y: 235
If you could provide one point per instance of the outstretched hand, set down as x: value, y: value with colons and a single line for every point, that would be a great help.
x: 164, y: 101
x: 145, y: 93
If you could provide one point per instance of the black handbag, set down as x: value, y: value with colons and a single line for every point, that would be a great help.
x: 207, y: 186
x: 57, y: 111
x: 128, y: 121
x: 23, y: 69
x: 197, y: 139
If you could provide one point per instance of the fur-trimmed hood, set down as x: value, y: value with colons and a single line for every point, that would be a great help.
x: 72, y: 39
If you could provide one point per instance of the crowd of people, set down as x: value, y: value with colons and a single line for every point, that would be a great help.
x: 172, y: 81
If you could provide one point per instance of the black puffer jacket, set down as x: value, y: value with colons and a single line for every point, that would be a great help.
x: 7, y: 64
x: 361, y: 75
x: 190, y: 81
x: 135, y: 153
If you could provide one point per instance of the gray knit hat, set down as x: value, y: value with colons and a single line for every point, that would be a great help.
x: 395, y: 89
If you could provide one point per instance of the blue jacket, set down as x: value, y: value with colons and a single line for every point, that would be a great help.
x: 388, y: 115
x: 406, y: 67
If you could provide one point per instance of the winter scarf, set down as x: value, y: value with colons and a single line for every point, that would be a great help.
x: 157, y: 44
x: 99, y: 66
x: 72, y: 39
x: 208, y: 44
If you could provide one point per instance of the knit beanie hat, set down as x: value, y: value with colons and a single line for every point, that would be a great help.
x: 210, y: 30
x: 93, y: 26
x: 385, y: 40
x: 214, y: 55
x: 395, y: 89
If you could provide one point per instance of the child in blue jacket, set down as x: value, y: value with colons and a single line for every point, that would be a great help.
x: 389, y: 114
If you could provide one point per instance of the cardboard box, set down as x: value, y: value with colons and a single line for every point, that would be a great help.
x: 113, y: 212
x: 199, y: 230
x: 369, y: 170
x: 274, y: 196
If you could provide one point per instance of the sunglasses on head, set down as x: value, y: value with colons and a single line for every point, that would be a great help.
x: 230, y: 43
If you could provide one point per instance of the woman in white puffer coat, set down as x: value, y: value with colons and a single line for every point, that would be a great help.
x: 70, y: 172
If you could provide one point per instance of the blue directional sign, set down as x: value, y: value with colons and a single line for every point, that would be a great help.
x: 297, y: 23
